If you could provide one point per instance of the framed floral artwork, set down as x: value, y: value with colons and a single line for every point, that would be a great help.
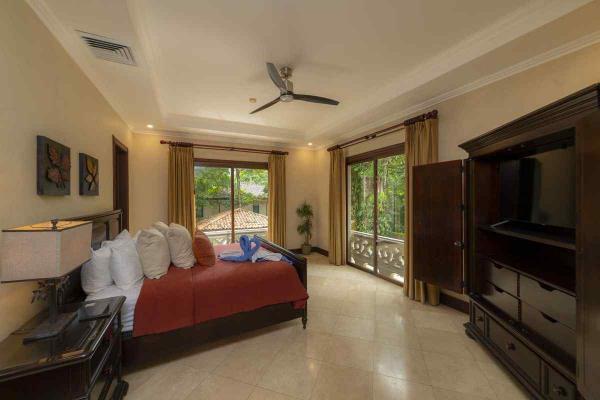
x: 53, y: 168
x: 88, y: 175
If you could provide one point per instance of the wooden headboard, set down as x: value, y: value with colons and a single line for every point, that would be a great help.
x: 105, y: 226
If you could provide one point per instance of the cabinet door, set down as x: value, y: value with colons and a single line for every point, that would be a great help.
x: 437, y: 210
x: 587, y: 144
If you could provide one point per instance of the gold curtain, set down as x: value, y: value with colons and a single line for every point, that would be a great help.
x: 337, y: 207
x: 276, y: 202
x: 421, y: 148
x: 181, y: 196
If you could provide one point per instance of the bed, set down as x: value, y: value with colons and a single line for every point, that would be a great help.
x: 202, y: 296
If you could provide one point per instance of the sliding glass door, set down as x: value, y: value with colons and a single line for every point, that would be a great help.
x: 376, y: 212
x: 231, y: 199
x: 361, y: 201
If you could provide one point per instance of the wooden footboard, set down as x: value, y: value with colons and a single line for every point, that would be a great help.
x: 158, y: 346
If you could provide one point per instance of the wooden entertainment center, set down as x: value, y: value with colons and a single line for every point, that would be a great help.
x: 534, y: 291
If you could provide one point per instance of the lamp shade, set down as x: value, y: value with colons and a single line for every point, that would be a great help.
x: 41, y: 251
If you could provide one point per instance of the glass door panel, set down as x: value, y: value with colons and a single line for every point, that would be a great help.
x: 361, y: 206
x: 213, y: 202
x: 390, y: 216
x: 250, y: 202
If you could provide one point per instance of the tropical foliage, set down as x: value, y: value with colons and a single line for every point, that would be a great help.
x: 305, y: 213
x: 390, y: 196
x: 213, y: 187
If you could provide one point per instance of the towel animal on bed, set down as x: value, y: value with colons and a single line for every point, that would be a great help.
x: 248, y: 252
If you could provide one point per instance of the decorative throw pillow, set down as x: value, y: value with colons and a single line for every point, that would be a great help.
x: 162, y: 227
x: 153, y: 250
x: 95, y: 273
x: 180, y: 246
x: 125, y: 265
x: 203, y: 250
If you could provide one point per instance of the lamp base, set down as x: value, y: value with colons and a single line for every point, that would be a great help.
x: 50, y: 328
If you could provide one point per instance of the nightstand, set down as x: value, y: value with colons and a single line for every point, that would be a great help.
x: 83, y: 362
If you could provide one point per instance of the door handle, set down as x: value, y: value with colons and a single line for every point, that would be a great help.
x: 459, y: 243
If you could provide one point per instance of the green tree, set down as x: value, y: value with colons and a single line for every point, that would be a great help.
x: 213, y: 187
x: 390, y: 196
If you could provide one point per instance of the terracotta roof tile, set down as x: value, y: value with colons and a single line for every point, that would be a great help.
x: 244, y: 219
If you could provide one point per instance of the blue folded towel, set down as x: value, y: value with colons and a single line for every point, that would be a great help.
x: 247, y: 250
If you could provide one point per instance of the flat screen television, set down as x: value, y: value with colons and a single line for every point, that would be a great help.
x: 540, y: 188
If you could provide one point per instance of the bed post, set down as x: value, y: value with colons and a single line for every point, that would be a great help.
x: 304, y: 316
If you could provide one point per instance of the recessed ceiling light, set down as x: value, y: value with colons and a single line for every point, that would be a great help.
x: 150, y: 126
x: 310, y: 143
x: 252, y: 100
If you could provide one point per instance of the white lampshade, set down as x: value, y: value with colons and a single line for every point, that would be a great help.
x: 37, y: 252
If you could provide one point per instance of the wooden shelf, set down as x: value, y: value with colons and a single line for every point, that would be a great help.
x: 549, y: 239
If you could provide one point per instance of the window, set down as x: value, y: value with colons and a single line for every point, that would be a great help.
x: 231, y: 199
x: 376, y: 211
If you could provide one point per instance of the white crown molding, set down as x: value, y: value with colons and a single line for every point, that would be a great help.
x: 523, y: 20
x: 542, y: 58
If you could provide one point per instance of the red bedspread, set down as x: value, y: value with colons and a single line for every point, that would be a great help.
x: 185, y: 297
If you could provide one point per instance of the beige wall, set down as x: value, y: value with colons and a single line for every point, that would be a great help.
x: 477, y: 112
x: 44, y: 92
x: 149, y: 182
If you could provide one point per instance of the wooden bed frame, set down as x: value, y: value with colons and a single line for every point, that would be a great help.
x: 107, y: 225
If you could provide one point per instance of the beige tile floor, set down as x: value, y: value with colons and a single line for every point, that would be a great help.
x: 364, y: 341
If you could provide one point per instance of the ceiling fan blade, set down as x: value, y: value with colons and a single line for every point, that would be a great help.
x: 316, y: 99
x: 269, y: 104
x: 275, y: 77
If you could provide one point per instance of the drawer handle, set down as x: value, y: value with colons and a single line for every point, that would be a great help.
x: 510, y: 346
x: 546, y: 287
x: 549, y: 318
x: 559, y: 390
x: 480, y: 318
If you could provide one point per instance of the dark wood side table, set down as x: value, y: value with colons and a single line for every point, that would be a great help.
x: 84, y: 362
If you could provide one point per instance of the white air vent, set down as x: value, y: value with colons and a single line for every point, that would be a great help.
x: 108, y: 49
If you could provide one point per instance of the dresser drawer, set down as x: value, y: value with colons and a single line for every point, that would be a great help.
x: 548, y: 328
x: 526, y: 360
x: 502, y: 300
x: 558, y: 387
x: 500, y: 276
x: 479, y: 318
x: 553, y: 302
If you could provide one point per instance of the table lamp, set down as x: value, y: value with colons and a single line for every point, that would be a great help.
x: 46, y: 252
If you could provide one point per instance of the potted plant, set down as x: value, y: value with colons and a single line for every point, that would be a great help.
x: 305, y: 213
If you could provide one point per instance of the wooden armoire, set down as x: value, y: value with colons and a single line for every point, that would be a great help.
x: 533, y: 286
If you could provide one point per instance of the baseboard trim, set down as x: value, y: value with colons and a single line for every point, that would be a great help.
x: 455, y: 303
x: 314, y: 249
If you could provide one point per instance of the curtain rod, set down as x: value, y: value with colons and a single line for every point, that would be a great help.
x: 385, y: 131
x: 224, y: 148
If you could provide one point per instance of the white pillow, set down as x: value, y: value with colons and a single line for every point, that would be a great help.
x: 136, y: 236
x: 125, y: 265
x: 95, y: 274
x: 153, y: 250
x: 180, y: 246
x: 162, y: 227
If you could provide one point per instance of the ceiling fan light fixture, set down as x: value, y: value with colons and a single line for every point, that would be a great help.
x: 286, y: 97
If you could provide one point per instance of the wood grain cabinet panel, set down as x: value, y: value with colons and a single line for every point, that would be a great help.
x: 553, y: 302
x: 501, y: 300
x: 500, y: 276
x: 524, y: 359
x: 558, y: 335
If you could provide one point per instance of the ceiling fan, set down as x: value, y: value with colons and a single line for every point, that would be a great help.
x: 281, y: 79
